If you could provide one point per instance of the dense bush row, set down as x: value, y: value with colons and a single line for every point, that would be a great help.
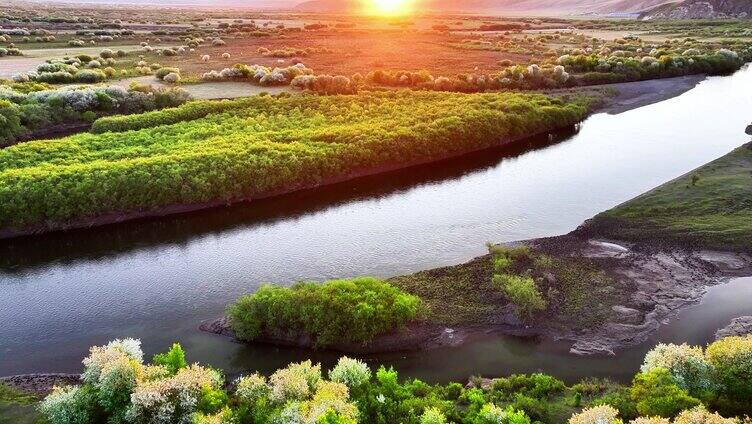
x: 257, y: 145
x: 258, y: 74
x: 80, y: 69
x: 337, y: 311
x: 26, y: 108
x: 120, y: 388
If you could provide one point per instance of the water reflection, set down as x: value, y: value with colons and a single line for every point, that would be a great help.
x: 108, y: 241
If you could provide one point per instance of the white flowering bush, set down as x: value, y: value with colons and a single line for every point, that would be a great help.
x: 100, y: 356
x: 603, y: 414
x: 433, y: 416
x: 650, y: 420
x: 172, y: 399
x: 350, y: 372
x: 492, y: 414
x: 296, y: 382
x: 249, y: 389
x: 329, y: 397
x: 686, y: 364
x: 728, y: 54
x: 116, y: 382
x: 291, y: 413
x: 700, y: 415
x: 69, y: 405
x: 172, y: 78
x: 258, y: 74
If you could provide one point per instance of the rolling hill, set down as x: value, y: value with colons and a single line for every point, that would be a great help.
x: 501, y: 6
x: 701, y: 9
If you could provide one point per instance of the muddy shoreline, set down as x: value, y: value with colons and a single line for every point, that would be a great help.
x: 40, y: 384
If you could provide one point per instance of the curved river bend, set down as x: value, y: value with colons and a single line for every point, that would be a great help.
x: 157, y: 279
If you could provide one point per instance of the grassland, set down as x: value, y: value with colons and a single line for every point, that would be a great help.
x: 467, y: 294
x: 17, y: 407
x: 710, y: 207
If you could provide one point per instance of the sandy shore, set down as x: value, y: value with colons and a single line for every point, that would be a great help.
x: 631, y: 95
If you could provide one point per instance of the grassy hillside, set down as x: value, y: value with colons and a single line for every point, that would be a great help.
x: 710, y: 207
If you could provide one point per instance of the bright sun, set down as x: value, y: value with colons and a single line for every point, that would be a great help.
x: 389, y: 7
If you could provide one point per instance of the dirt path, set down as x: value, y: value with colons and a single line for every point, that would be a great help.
x: 210, y: 90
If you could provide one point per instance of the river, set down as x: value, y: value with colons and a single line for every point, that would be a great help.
x: 157, y: 279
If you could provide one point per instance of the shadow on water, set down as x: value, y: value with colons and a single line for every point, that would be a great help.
x: 25, y: 253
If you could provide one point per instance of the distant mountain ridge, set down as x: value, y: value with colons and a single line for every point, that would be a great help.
x: 518, y: 6
x: 701, y: 9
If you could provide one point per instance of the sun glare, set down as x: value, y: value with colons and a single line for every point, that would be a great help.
x: 389, y: 7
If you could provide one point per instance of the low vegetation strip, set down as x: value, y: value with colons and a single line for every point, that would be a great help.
x: 262, y: 146
x: 338, y: 311
x: 677, y: 384
x: 710, y: 207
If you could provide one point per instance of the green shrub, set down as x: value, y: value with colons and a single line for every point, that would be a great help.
x: 620, y: 400
x: 656, y: 394
x: 163, y: 72
x: 731, y: 358
x: 173, y: 359
x: 212, y: 400
x: 534, y: 385
x: 337, y: 311
x: 523, y: 292
x: 90, y: 76
x: 10, y: 121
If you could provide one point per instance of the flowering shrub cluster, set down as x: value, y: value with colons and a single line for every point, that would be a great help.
x: 79, y: 69
x: 602, y: 414
x: 258, y: 74
x: 675, y: 378
x: 118, y: 387
x: 687, y: 365
x: 607, y: 415
x: 37, y: 110
x: 292, y: 52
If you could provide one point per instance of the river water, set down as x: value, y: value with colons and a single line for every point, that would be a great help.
x: 157, y: 279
